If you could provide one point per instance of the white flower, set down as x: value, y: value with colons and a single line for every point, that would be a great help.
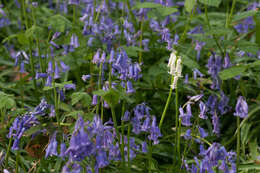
x: 178, y: 67
x: 174, y: 84
x: 172, y: 62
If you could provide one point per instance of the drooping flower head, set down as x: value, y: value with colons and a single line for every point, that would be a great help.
x: 241, y: 108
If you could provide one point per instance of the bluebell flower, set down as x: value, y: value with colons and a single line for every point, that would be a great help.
x: 40, y: 75
x: 56, y: 72
x: 73, y: 2
x: 52, y: 147
x: 50, y: 67
x: 94, y: 100
x: 187, y: 135
x: 126, y: 116
x: 96, y: 57
x: 85, y: 77
x: 70, y: 86
x: 215, y: 122
x: 203, y: 110
x: 146, y: 125
x: 241, y: 108
x: 64, y: 67
x: 198, y: 48
x: 202, y: 132
x: 227, y: 63
x: 22, y: 68
x: 154, y: 131
x: 185, y: 117
x: 144, y: 147
x: 223, y: 103
x: 130, y: 88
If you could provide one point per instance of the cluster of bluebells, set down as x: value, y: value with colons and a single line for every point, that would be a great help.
x: 25, y: 122
x: 142, y: 121
x: 215, y: 157
x: 248, y: 23
x: 95, y: 142
x: 4, y: 21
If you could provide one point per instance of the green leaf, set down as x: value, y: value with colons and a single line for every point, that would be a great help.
x: 253, y: 149
x: 257, y: 29
x: 189, y: 5
x: 214, y: 3
x: 81, y: 96
x: 165, y: 11
x: 112, y: 97
x: 59, y: 23
x: 243, y: 15
x: 99, y: 92
x: 6, y: 101
x: 10, y: 37
x: 33, y: 130
x: 189, y: 62
x: 231, y: 72
x: 219, y: 31
x: 132, y: 50
x: 35, y: 32
x: 248, y: 167
x: 22, y: 39
x: 147, y: 5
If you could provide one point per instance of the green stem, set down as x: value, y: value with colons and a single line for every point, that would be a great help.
x: 166, y: 105
x: 231, y: 12
x: 17, y: 161
x: 214, y: 36
x: 238, y: 142
x: 140, y: 41
x: 176, y: 119
x: 128, y: 148
x: 7, y: 152
x: 150, y: 156
x: 99, y: 84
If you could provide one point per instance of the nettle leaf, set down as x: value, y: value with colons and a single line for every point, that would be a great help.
x: 165, y: 11
x: 189, y: 5
x: 6, y: 101
x: 35, y: 32
x: 99, y: 92
x: 132, y: 50
x: 147, y: 5
x: 81, y: 96
x: 232, y: 72
x: 189, y: 62
x: 59, y: 23
x: 214, y: 3
x: 112, y: 97
x: 22, y: 39
x: 243, y: 15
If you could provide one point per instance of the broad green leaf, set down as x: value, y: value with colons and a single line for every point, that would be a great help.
x: 231, y: 72
x: 6, y: 101
x: 132, y: 50
x: 244, y: 133
x: 22, y: 39
x: 253, y: 149
x: 249, y: 167
x: 147, y: 5
x: 81, y: 96
x: 189, y: 62
x: 214, y: 3
x: 243, y: 15
x: 59, y: 23
x: 165, y: 11
x: 219, y: 31
x: 254, y: 64
x: 112, y: 97
x: 189, y: 5
x: 99, y: 92
x: 35, y: 32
